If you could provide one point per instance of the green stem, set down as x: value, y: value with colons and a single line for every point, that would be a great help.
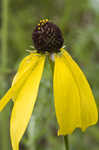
x: 65, y: 137
x: 66, y: 142
x: 4, y: 32
x: 52, y: 66
x: 4, y: 116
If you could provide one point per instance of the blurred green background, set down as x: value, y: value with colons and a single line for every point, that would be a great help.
x: 79, y: 22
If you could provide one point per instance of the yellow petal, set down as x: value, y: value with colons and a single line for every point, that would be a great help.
x: 30, y: 59
x: 24, y: 104
x: 74, y: 102
x: 89, y: 113
x: 66, y: 98
x: 21, y: 77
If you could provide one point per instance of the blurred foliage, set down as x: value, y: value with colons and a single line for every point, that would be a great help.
x: 79, y: 21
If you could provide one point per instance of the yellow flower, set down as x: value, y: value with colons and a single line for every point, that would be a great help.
x: 74, y: 102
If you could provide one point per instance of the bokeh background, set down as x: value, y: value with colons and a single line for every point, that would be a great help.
x: 79, y: 22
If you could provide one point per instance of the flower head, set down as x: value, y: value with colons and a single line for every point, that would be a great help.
x: 74, y: 102
x: 47, y: 37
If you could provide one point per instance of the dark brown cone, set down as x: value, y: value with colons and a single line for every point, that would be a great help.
x: 47, y: 37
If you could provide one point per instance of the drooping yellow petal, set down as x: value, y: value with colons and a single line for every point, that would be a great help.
x: 21, y: 77
x: 24, y: 104
x: 74, y: 102
x: 30, y: 59
x: 89, y: 114
x: 66, y: 98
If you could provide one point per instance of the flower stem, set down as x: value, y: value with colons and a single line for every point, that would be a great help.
x: 4, y: 31
x: 4, y: 116
x: 52, y: 65
x: 66, y: 136
x: 66, y: 142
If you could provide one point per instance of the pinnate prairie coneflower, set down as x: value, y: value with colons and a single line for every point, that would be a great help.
x: 74, y: 102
